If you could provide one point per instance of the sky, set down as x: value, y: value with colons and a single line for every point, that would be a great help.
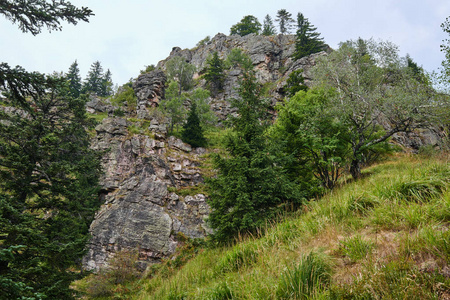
x: 126, y: 36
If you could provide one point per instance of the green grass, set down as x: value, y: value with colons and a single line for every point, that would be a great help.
x: 385, y: 236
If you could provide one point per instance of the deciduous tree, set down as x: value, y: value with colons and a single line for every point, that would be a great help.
x: 374, y: 85
x: 181, y: 72
x: 248, y: 24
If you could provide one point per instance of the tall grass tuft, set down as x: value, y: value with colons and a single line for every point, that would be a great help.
x: 239, y: 256
x: 307, y: 278
x: 356, y: 248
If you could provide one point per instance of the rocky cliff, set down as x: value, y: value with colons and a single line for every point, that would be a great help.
x: 145, y: 169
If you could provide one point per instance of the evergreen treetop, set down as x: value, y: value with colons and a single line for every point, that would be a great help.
x: 308, y: 40
x: 192, y: 130
x: 284, y: 19
x: 248, y: 24
x: 268, y: 26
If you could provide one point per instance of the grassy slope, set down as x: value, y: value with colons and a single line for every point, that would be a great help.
x: 385, y: 236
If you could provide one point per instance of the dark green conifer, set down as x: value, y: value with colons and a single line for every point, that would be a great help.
x: 308, y: 41
x: 192, y: 131
x: 250, y: 185
x: 74, y: 80
x: 214, y: 74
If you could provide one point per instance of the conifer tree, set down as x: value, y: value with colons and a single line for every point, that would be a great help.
x: 94, y: 81
x: 192, y: 130
x: 250, y: 183
x: 48, y: 180
x: 268, y: 26
x: 308, y: 41
x: 284, y: 19
x: 74, y: 80
x: 107, y: 84
x: 214, y: 74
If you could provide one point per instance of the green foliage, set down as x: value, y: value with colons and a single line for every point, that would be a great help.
x: 250, y: 184
x: 355, y: 248
x: 214, y: 74
x: 192, y: 132
x: 148, y: 69
x: 284, y: 19
x: 207, y: 117
x: 96, y: 82
x: 303, y: 281
x: 33, y: 15
x: 307, y: 40
x: 126, y: 98
x: 204, y: 42
x: 248, y: 24
x: 73, y: 76
x: 49, y: 183
x: 295, y: 83
x: 317, y: 138
x: 238, y: 59
x: 180, y: 71
x: 371, y: 80
x: 268, y: 27
x: 444, y: 78
x: 173, y: 106
x: 240, y: 256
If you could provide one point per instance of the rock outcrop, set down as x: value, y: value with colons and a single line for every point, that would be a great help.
x: 139, y: 213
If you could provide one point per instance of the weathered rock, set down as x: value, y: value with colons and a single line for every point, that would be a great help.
x: 138, y: 211
x: 149, y: 90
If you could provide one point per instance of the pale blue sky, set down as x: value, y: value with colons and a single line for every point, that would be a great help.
x: 127, y: 35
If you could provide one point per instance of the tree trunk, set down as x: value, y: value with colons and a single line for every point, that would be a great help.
x: 355, y: 169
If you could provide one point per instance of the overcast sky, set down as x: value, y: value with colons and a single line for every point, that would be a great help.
x: 125, y: 36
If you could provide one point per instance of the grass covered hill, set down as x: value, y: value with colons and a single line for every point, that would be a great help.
x: 385, y: 236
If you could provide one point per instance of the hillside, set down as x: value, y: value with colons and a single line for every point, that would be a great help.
x: 383, y: 237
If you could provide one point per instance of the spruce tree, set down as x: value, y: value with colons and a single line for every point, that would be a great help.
x: 308, y: 41
x: 268, y: 26
x: 94, y: 81
x: 74, y: 80
x: 48, y: 184
x: 107, y: 84
x: 250, y: 185
x: 284, y: 19
x: 214, y: 74
x: 192, y: 130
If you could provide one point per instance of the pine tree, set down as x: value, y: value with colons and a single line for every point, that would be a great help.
x: 107, y: 84
x: 308, y: 41
x: 74, y: 80
x: 94, y: 81
x: 284, y: 19
x: 48, y: 180
x: 250, y: 183
x: 214, y: 74
x: 192, y: 130
x: 268, y: 26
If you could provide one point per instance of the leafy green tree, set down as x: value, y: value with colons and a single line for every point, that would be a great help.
x: 445, y: 47
x: 73, y: 76
x: 192, y: 130
x: 268, y: 26
x: 173, y: 106
x: 49, y: 184
x: 295, y: 83
x: 207, y: 118
x: 214, y: 74
x: 181, y: 72
x: 308, y: 40
x: 250, y: 184
x: 316, y: 137
x: 248, y: 24
x: 374, y: 85
x: 284, y: 19
x: 31, y: 16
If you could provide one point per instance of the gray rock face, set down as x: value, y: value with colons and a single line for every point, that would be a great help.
x: 270, y: 55
x: 138, y: 212
x: 149, y: 89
